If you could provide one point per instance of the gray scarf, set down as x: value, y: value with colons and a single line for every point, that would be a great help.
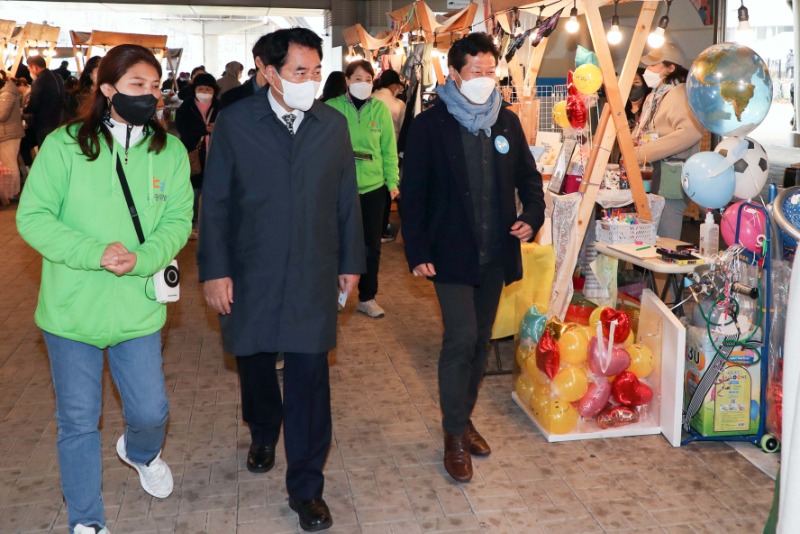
x: 473, y: 117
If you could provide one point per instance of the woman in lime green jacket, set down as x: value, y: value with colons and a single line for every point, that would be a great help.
x: 375, y: 150
x: 97, y: 289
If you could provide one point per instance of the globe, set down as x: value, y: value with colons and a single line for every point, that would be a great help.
x: 791, y: 210
x: 729, y: 89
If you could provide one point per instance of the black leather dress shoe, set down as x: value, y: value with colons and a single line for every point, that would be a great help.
x: 260, y: 458
x: 314, y: 514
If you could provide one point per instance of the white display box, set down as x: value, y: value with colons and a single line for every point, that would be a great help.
x: 665, y: 336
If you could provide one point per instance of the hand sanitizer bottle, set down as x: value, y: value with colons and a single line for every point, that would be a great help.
x: 709, y: 236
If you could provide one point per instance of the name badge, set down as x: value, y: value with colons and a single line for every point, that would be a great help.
x: 501, y: 144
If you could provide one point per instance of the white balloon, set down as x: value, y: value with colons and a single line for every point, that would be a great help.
x: 751, y: 168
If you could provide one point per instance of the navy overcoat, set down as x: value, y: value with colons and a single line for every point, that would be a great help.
x: 280, y: 216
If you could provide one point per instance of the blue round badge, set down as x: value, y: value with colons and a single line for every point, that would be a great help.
x: 501, y: 144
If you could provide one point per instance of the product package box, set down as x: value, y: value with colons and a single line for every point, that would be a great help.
x: 732, y: 404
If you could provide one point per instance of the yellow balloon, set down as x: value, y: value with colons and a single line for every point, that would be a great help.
x: 570, y: 383
x: 587, y: 78
x: 630, y: 340
x: 524, y: 388
x: 523, y: 353
x: 573, y: 347
x: 594, y: 318
x: 560, y: 114
x: 560, y: 417
x: 588, y: 332
x: 642, y: 360
x: 540, y: 400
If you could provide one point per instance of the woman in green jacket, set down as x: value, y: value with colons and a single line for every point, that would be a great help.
x: 375, y: 150
x: 97, y: 288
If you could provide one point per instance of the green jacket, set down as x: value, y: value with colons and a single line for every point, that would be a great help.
x: 372, y: 134
x: 72, y: 209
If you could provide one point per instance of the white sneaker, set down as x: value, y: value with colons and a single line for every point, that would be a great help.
x: 83, y: 529
x: 156, y: 478
x: 371, y: 308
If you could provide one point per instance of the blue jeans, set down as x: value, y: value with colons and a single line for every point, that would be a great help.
x: 77, y: 370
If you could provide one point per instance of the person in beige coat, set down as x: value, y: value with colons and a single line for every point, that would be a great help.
x: 11, y: 132
x: 667, y: 132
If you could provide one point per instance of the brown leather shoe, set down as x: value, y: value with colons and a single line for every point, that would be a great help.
x: 477, y: 445
x: 457, y: 461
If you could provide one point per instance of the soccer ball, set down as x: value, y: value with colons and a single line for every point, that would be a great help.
x: 751, y: 169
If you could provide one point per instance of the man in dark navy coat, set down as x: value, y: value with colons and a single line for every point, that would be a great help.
x: 280, y: 231
x: 464, y: 159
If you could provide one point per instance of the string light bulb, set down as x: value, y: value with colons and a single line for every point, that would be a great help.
x: 656, y: 39
x: 572, y: 24
x: 614, y: 36
x: 398, y: 49
x: 744, y: 19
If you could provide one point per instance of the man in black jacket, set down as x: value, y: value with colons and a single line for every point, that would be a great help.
x: 464, y: 158
x: 252, y: 85
x: 46, y: 101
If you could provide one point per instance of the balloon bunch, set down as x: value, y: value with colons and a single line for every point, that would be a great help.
x: 572, y: 373
x: 571, y: 114
x: 738, y: 168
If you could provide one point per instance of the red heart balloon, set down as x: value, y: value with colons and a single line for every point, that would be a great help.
x: 576, y: 112
x: 618, y: 361
x: 571, y: 89
x: 548, y: 358
x: 613, y: 416
x: 628, y: 390
x: 623, y: 328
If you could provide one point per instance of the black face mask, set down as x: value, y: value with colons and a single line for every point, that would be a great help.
x: 637, y: 92
x: 135, y: 110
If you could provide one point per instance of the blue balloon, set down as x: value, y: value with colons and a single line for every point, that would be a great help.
x: 708, y: 180
x: 753, y: 410
x: 532, y: 326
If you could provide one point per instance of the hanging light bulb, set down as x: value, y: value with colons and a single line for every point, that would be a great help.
x: 656, y: 39
x: 744, y: 32
x: 398, y: 49
x: 33, y: 52
x: 614, y: 36
x: 572, y: 24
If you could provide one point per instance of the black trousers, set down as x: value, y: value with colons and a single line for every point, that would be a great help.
x: 468, y: 314
x: 304, y: 411
x: 372, y: 208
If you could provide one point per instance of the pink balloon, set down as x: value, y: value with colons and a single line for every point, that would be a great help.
x: 618, y: 362
x: 595, y: 399
x: 751, y: 226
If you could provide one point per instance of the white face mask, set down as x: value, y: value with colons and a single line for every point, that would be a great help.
x: 361, y: 90
x: 477, y: 90
x: 204, y: 97
x: 298, y: 95
x: 652, y: 79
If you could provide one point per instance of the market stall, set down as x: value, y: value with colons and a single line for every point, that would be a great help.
x: 32, y: 39
x: 84, y: 42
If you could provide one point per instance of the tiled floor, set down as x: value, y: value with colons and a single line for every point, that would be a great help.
x: 384, y: 474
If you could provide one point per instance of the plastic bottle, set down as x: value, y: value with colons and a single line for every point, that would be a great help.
x: 709, y: 236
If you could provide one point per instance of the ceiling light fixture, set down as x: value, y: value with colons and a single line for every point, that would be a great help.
x: 656, y: 39
x: 572, y: 24
x: 614, y: 36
